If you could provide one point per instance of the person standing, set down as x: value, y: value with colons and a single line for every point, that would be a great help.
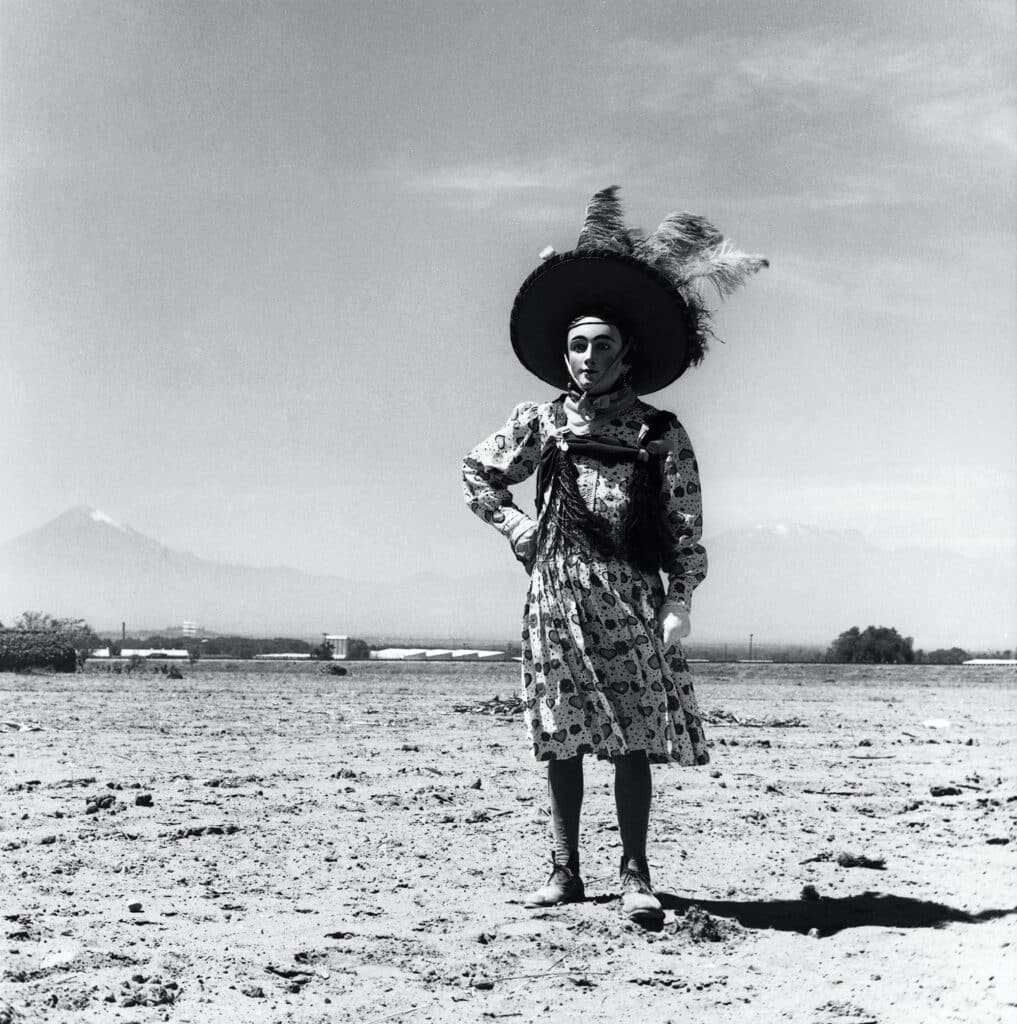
x: 618, y: 502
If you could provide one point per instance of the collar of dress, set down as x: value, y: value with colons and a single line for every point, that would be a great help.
x: 587, y: 414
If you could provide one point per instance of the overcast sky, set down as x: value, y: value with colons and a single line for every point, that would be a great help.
x: 258, y: 259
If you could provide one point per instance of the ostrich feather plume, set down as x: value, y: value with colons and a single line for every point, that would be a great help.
x: 604, y: 229
x: 679, y: 236
x: 690, y: 250
x: 686, y: 247
x: 722, y: 266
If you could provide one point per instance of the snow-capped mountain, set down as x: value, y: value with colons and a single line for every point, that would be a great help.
x: 85, y: 563
x: 786, y: 583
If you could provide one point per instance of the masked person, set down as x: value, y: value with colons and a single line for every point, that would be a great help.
x: 618, y: 502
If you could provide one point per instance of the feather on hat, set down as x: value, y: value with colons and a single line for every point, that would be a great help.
x: 656, y: 285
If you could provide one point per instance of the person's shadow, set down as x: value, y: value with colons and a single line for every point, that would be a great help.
x: 829, y: 916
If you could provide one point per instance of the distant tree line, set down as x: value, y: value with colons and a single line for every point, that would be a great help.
x: 38, y: 639
x: 784, y: 653
x: 879, y: 645
x: 942, y: 656
x: 957, y: 656
x: 875, y: 645
x: 238, y: 647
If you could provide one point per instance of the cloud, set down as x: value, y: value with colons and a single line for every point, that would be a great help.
x: 480, y: 184
x: 538, y: 189
x: 811, y: 120
x: 983, y: 120
x: 946, y: 92
x: 897, y: 511
x: 491, y: 178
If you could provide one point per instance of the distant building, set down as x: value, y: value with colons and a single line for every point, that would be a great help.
x: 436, y: 654
x: 340, y: 644
x: 188, y: 628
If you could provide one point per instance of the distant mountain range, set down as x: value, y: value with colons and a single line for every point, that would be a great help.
x: 783, y: 583
x: 809, y: 583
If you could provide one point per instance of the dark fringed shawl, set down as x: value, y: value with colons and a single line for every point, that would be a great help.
x: 565, y: 521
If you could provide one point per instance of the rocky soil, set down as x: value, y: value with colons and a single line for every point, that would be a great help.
x: 256, y: 844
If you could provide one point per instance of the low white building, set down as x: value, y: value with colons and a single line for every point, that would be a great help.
x: 436, y: 654
x: 340, y: 644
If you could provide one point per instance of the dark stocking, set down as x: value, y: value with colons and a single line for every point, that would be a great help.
x: 633, y: 789
x: 565, y: 788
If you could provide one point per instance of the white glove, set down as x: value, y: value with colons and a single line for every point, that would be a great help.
x: 674, y: 623
x: 524, y: 541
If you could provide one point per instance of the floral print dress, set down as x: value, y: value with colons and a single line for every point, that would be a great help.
x: 596, y: 677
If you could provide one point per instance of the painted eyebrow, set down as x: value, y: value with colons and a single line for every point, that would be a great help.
x: 596, y: 337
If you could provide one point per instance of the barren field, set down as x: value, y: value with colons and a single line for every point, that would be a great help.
x: 281, y: 845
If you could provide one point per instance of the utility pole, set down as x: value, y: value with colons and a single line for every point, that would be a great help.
x: 751, y: 635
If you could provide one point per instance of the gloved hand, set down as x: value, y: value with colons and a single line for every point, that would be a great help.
x: 524, y: 543
x: 674, y: 623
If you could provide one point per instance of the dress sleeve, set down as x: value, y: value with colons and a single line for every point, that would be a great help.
x: 507, y: 457
x: 683, y: 557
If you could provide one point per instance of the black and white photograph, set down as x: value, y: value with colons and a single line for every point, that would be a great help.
x: 509, y: 511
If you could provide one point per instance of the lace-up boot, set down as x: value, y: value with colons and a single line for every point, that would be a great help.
x: 563, y: 886
x: 639, y: 902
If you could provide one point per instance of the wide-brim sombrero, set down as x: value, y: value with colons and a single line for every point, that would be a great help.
x: 650, y: 311
x: 652, y: 287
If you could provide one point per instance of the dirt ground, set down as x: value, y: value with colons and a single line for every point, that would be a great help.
x: 276, y: 845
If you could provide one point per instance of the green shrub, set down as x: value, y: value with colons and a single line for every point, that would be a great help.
x: 21, y: 649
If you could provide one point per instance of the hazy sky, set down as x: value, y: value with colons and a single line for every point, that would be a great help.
x: 258, y: 259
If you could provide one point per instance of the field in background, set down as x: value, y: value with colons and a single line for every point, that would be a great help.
x: 505, y: 675
x: 323, y: 848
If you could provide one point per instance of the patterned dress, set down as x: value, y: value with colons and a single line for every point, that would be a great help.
x: 596, y: 677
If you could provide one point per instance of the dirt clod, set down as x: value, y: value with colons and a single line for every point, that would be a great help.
x: 859, y: 860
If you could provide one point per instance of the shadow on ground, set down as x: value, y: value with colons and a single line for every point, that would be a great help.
x: 830, y: 916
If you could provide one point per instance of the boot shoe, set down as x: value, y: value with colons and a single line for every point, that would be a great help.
x: 564, y: 886
x: 639, y: 902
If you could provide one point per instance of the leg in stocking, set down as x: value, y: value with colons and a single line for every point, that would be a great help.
x: 565, y: 789
x: 633, y: 790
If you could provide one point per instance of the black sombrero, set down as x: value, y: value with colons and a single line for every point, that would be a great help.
x: 650, y: 285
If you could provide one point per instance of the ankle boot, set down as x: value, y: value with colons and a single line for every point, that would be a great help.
x: 563, y: 886
x: 639, y: 902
